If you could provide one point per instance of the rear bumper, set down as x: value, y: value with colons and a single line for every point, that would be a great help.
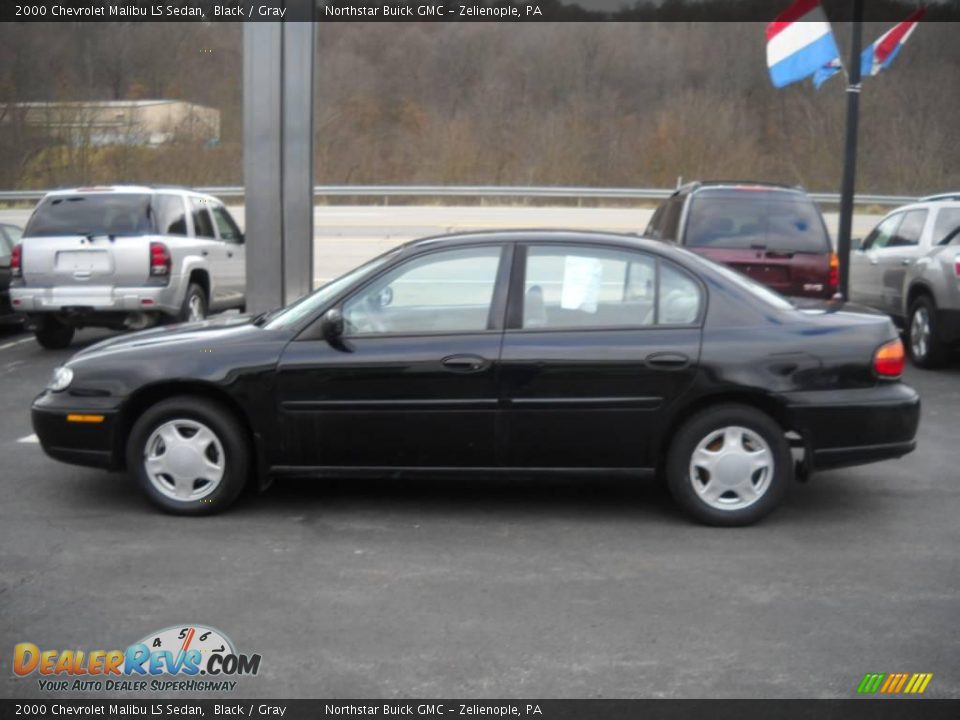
x: 91, y: 300
x: 855, y: 427
x: 80, y: 443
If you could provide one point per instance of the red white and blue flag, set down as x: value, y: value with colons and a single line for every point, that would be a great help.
x: 799, y: 42
x: 879, y: 54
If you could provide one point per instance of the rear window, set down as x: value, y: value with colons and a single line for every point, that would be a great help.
x: 777, y: 221
x: 100, y: 214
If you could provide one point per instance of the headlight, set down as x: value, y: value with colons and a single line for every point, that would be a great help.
x: 62, y: 377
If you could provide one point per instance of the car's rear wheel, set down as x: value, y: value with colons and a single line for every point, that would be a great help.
x: 923, y: 340
x: 194, y: 306
x: 729, y: 465
x: 189, y: 455
x: 53, y: 334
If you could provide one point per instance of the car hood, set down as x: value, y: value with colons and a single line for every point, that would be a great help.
x: 216, y: 331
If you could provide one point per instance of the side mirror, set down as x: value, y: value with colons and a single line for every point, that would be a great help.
x: 331, y: 326
x: 241, y: 239
x: 856, y: 243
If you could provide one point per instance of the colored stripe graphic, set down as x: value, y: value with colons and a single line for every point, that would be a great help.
x: 894, y: 683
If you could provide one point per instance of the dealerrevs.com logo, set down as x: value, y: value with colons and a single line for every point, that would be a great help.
x: 178, y: 658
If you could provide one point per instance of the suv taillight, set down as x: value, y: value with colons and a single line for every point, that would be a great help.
x: 956, y: 265
x: 833, y: 279
x: 889, y: 359
x: 159, y: 260
x: 16, y: 261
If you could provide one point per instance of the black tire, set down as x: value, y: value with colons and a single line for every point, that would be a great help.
x: 53, y: 334
x: 930, y: 353
x: 194, y: 293
x: 699, y: 428
x: 227, y: 430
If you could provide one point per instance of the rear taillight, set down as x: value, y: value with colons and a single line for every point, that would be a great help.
x: 889, y: 359
x: 956, y: 265
x: 159, y: 260
x: 16, y: 261
x: 833, y: 279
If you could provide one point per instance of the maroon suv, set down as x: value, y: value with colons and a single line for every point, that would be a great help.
x: 772, y: 233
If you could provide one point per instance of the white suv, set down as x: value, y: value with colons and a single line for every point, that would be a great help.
x: 125, y: 257
x: 909, y: 267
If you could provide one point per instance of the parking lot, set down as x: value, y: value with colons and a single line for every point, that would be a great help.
x: 484, y: 588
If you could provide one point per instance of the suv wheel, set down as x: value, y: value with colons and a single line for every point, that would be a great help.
x: 53, y: 334
x: 189, y: 455
x: 924, y: 344
x: 729, y: 465
x: 194, y: 306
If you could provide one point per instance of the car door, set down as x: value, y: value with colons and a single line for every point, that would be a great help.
x: 235, y: 263
x: 413, y: 381
x: 212, y: 250
x: 599, y: 342
x: 866, y: 279
x: 900, y: 252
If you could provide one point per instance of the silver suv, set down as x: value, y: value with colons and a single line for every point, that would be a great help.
x: 125, y: 257
x: 909, y: 267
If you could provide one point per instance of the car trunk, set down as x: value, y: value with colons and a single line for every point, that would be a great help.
x: 94, y: 240
x: 799, y: 274
x: 776, y: 237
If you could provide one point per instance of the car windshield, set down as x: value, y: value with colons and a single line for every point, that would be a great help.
x: 309, y: 304
x: 93, y: 214
x: 744, y: 219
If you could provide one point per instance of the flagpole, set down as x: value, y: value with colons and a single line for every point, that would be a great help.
x: 850, y: 149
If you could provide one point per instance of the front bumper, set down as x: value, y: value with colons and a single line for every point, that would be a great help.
x: 78, y: 440
x: 855, y: 427
x: 91, y: 300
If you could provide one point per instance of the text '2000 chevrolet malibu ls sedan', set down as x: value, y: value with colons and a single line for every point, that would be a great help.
x: 501, y: 352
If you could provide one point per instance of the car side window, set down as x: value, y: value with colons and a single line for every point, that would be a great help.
x: 655, y: 224
x: 670, y: 228
x: 443, y: 292
x: 910, y: 229
x: 202, y: 225
x: 568, y: 287
x: 171, y: 215
x: 883, y: 233
x: 229, y: 232
x: 946, y: 225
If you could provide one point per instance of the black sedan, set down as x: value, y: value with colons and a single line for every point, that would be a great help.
x: 502, y: 352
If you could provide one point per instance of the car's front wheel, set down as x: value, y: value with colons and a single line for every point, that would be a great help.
x: 53, y: 334
x: 189, y: 455
x: 729, y: 465
x: 926, y: 350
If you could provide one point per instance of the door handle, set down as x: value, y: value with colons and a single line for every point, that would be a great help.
x: 229, y: 254
x: 204, y: 253
x: 874, y: 260
x: 668, y: 360
x: 905, y: 261
x: 464, y: 363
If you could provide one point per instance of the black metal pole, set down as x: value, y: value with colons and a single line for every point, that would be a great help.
x: 850, y: 149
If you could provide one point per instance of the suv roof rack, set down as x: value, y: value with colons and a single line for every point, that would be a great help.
x: 940, y: 196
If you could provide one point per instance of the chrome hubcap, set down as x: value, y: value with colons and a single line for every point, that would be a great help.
x: 920, y: 332
x: 731, y: 468
x: 184, y: 460
x: 196, y: 308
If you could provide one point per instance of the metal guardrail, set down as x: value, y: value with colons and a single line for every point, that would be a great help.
x: 485, y: 191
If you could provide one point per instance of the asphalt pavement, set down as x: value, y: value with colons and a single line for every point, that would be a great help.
x: 492, y: 588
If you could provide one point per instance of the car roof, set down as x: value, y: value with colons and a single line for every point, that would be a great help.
x: 122, y: 189
x: 594, y: 237
x: 748, y: 185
